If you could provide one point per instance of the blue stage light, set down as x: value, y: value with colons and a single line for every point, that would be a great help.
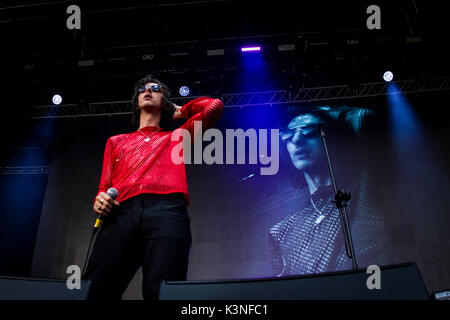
x: 184, y: 91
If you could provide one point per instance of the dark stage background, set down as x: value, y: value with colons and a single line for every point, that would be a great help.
x: 231, y: 217
x: 390, y: 150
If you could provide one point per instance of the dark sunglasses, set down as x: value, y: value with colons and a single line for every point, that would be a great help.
x: 309, y: 131
x: 153, y: 87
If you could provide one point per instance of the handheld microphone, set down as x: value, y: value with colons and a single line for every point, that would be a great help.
x: 113, y: 193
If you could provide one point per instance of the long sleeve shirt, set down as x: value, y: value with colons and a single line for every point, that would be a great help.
x: 134, y: 166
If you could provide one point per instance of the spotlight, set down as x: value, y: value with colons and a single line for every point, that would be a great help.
x: 147, y: 57
x: 388, y: 76
x: 179, y: 54
x: 251, y: 49
x: 184, y: 91
x: 85, y: 63
x: 57, y: 99
x: 217, y: 52
x: 286, y: 47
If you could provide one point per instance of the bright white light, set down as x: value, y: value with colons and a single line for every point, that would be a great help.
x: 388, y: 76
x: 184, y: 91
x: 57, y: 99
x: 251, y: 49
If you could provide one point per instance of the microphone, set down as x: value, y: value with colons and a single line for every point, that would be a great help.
x: 247, y: 177
x: 113, y: 193
x: 321, y: 129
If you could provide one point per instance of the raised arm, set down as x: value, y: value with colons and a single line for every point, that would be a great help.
x: 206, y: 110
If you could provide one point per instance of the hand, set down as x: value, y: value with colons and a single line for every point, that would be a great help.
x: 177, y: 114
x: 104, y: 204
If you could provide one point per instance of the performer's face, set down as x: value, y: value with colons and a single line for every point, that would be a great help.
x: 150, y: 96
x: 303, y: 141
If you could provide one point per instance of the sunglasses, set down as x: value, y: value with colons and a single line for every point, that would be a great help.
x: 153, y: 87
x: 309, y: 131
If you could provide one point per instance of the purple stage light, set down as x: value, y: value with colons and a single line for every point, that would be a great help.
x: 251, y: 49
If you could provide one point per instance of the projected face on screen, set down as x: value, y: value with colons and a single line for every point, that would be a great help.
x: 310, y: 239
x: 303, y: 141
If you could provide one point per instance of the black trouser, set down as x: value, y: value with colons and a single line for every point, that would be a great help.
x: 148, y: 230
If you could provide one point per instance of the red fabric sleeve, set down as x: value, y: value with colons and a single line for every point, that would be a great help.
x: 207, y: 110
x: 107, y: 170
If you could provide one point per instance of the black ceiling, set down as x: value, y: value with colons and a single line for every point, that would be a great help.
x: 40, y: 55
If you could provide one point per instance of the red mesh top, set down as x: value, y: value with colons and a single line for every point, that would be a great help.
x: 134, y: 166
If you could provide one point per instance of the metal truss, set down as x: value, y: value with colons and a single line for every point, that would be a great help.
x: 26, y: 170
x: 91, y: 110
x: 238, y: 100
x: 257, y: 98
x: 79, y: 110
x: 30, y: 169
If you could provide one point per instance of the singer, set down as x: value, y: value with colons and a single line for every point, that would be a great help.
x: 147, y: 225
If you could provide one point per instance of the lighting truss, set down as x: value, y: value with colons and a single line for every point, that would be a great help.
x: 256, y: 98
x: 26, y: 170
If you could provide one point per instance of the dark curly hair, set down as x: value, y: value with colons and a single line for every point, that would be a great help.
x: 345, y: 127
x: 167, y: 107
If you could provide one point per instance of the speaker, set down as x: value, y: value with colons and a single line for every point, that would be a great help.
x: 41, y: 289
x: 398, y: 282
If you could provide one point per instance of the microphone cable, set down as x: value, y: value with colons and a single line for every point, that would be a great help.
x: 112, y: 192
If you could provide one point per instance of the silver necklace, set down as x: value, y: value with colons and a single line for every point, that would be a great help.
x: 321, y: 215
x: 147, y: 138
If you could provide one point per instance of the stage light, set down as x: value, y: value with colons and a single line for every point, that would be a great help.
x: 413, y: 39
x: 57, y: 99
x: 85, y: 63
x: 184, y: 91
x: 217, y: 52
x: 286, y: 47
x: 388, y: 76
x: 251, y: 49
x: 147, y: 57
x: 179, y: 54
